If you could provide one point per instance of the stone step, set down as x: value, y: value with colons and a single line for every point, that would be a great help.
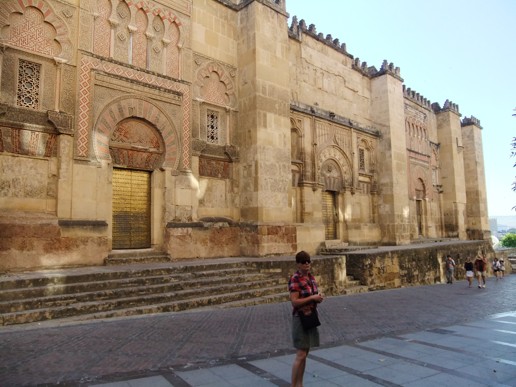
x: 125, y: 290
x: 132, y: 289
x: 91, y: 292
x: 127, y: 257
x: 55, y: 277
x: 168, y: 302
x: 22, y: 291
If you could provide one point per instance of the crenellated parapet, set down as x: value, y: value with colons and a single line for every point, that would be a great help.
x: 388, y: 68
x: 371, y: 71
x: 416, y: 97
x: 448, y: 106
x: 363, y: 68
x: 471, y: 121
x: 298, y: 28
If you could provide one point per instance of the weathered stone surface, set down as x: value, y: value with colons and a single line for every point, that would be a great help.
x: 324, y: 147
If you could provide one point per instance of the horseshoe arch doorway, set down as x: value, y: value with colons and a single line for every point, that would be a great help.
x: 137, y: 149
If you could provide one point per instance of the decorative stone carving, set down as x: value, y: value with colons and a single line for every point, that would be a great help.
x: 62, y: 121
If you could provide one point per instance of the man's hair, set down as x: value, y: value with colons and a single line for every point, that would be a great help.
x: 302, y: 256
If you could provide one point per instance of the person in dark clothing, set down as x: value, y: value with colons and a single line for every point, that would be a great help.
x: 303, y: 295
x: 480, y: 268
x: 468, y: 267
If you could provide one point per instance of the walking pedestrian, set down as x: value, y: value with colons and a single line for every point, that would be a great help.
x: 496, y: 268
x: 502, y: 268
x: 480, y: 269
x: 304, y: 297
x: 468, y: 267
x: 450, y: 268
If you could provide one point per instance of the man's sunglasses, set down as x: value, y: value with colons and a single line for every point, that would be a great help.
x: 304, y: 262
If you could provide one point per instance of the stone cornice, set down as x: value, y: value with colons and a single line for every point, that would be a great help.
x: 330, y: 116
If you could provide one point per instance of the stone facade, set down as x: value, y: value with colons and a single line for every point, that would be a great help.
x: 211, y: 128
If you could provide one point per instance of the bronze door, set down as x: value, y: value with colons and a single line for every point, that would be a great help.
x: 131, y: 209
x: 329, y: 210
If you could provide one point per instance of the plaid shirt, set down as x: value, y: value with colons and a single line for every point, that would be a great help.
x: 305, y: 286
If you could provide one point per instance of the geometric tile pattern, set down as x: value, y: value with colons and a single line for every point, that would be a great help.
x: 88, y: 65
x: 102, y: 27
x: 31, y: 33
x: 140, y: 40
x: 35, y: 27
x: 157, y: 35
x: 153, y: 28
x: 215, y: 85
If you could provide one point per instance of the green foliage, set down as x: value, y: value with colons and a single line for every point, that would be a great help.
x: 509, y: 240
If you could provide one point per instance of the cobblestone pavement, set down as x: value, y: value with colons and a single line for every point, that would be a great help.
x: 448, y: 335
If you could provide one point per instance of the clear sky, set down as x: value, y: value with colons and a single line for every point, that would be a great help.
x: 461, y: 50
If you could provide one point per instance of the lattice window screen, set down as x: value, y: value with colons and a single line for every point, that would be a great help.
x: 361, y: 160
x: 27, y: 93
x: 212, y: 123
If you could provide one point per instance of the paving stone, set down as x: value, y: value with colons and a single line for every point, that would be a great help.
x: 366, y: 340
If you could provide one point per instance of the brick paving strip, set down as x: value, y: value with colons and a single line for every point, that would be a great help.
x: 64, y: 353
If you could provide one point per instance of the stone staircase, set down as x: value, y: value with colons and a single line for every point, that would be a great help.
x: 128, y: 257
x: 146, y: 283
x: 125, y: 290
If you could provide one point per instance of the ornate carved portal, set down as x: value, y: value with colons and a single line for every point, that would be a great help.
x: 137, y: 146
x: 333, y: 181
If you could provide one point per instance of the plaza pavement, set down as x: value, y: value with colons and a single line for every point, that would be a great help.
x: 445, y: 335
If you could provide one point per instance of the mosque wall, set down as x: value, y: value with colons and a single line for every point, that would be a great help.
x: 212, y: 128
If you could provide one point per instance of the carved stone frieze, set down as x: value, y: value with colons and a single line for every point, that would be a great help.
x: 214, y: 168
x: 340, y: 161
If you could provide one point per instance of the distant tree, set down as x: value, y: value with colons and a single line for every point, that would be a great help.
x: 509, y: 240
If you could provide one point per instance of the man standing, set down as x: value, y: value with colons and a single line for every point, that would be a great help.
x: 480, y: 268
x: 450, y: 268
